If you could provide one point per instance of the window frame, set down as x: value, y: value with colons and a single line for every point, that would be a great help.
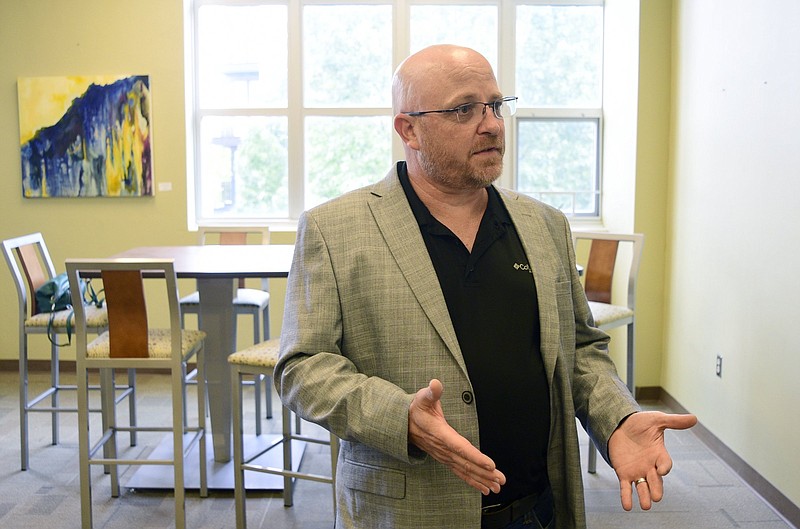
x: 296, y: 112
x: 565, y: 115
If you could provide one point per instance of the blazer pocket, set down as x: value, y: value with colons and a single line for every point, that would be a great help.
x: 372, y: 479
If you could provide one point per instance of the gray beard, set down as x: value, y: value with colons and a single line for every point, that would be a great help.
x: 458, y: 178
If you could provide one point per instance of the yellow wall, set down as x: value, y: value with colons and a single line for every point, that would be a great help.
x: 652, y: 152
x: 88, y: 37
x: 43, y: 38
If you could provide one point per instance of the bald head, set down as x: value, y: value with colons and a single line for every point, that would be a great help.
x: 426, y: 77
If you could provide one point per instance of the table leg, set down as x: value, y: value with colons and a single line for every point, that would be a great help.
x: 216, y: 317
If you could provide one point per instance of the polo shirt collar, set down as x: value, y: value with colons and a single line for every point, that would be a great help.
x: 494, y: 208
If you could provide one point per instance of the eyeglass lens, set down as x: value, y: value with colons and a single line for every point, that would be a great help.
x: 501, y: 109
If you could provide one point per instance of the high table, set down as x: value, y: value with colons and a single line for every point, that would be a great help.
x: 215, y: 268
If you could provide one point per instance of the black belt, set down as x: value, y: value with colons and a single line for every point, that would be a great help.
x: 497, y: 517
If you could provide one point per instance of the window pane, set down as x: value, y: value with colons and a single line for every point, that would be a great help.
x: 344, y: 153
x: 244, y: 167
x: 243, y: 56
x: 557, y: 163
x: 471, y: 26
x: 347, y: 55
x: 243, y: 77
x: 559, y: 56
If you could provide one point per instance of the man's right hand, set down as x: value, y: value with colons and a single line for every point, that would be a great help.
x: 429, y: 431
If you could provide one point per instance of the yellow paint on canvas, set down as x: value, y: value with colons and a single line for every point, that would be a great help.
x: 124, y: 149
x: 44, y: 100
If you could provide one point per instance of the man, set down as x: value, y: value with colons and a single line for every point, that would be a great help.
x: 437, y: 326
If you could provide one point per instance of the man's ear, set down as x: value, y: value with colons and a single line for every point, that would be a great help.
x: 404, y: 126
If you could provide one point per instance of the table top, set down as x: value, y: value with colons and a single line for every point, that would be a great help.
x: 213, y: 260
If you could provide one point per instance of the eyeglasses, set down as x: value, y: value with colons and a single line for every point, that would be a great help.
x: 466, y: 113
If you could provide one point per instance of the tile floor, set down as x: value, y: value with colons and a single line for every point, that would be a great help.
x: 701, y: 492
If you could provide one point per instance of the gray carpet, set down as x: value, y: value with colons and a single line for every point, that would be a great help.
x: 701, y: 492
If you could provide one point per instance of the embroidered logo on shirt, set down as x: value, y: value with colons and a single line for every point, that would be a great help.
x: 523, y: 266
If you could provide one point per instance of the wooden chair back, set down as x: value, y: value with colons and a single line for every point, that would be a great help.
x: 30, y: 264
x: 127, y: 313
x: 600, y: 270
x: 240, y: 236
x: 124, y: 287
x: 602, y: 260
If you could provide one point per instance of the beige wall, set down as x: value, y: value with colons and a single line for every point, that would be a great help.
x: 733, y: 228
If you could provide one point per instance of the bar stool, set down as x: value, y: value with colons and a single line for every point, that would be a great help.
x: 252, y: 302
x: 131, y: 343
x: 598, y: 282
x: 31, y: 266
x: 260, y: 359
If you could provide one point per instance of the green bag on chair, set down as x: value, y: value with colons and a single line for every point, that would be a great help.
x: 54, y: 295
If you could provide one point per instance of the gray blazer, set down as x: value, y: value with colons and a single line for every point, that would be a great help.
x: 366, y: 326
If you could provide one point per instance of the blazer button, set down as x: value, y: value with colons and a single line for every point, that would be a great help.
x: 467, y: 397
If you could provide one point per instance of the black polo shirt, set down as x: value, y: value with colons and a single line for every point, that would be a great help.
x: 491, y: 297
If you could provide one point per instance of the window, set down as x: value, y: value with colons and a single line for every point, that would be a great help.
x: 291, y: 99
x: 559, y: 67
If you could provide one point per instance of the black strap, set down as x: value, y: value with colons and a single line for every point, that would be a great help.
x: 90, y: 297
x: 53, y: 336
x: 93, y: 298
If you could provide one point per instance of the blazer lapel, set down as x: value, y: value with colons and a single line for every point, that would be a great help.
x: 400, y: 230
x: 546, y: 267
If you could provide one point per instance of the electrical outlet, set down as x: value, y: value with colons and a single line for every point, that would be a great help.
x: 719, y: 366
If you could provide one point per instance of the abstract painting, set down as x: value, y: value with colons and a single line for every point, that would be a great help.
x: 85, y: 136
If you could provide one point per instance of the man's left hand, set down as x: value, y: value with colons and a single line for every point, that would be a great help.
x: 640, y: 459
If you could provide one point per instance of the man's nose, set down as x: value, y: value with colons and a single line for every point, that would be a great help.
x: 490, y: 122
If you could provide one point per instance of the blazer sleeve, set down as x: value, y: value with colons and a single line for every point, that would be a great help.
x: 602, y: 401
x: 313, y: 377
